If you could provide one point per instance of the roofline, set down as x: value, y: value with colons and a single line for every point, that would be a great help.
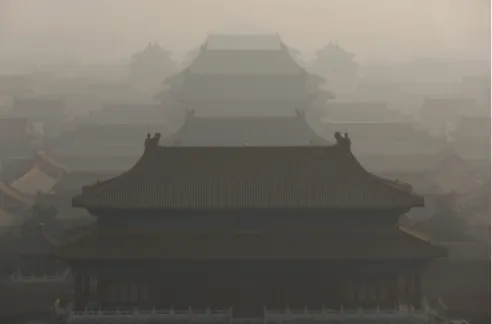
x: 343, y: 144
x: 400, y: 209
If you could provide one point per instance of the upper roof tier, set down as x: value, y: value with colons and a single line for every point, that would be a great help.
x: 245, y: 55
x: 325, y: 177
x: 245, y: 42
x: 254, y: 131
x: 152, y: 52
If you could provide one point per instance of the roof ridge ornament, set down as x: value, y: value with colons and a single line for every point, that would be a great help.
x: 152, y: 141
x: 343, y: 141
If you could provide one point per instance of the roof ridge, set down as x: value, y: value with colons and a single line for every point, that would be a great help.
x: 287, y: 170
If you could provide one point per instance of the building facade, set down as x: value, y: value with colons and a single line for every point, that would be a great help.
x: 246, y: 229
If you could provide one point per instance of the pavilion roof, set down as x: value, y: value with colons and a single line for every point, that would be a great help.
x: 33, y: 182
x: 247, y: 177
x: 244, y: 55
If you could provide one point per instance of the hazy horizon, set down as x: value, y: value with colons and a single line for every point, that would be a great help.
x: 92, y: 31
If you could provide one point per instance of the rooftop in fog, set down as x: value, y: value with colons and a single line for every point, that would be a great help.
x: 244, y: 54
x: 247, y: 177
x: 448, y: 106
x: 237, y: 131
x: 238, y: 42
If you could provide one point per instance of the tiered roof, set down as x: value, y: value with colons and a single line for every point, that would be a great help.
x: 334, y: 52
x: 40, y: 175
x: 244, y: 68
x: 152, y: 52
x: 106, y: 244
x: 247, y: 177
x: 245, y: 55
x: 33, y: 182
x: 233, y: 69
x: 237, y: 131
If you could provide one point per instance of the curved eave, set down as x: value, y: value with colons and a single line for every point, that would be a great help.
x: 408, y: 199
x: 77, y: 202
x: 435, y: 250
x: 403, y: 187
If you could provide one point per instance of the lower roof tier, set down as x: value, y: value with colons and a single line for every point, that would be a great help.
x: 167, y: 178
x: 133, y: 244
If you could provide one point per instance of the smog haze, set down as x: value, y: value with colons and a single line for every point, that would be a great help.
x: 108, y: 30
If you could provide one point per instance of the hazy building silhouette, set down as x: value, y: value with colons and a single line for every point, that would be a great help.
x: 150, y: 66
x: 440, y: 115
x: 242, y: 74
x: 338, y: 67
x: 238, y: 131
x: 219, y: 227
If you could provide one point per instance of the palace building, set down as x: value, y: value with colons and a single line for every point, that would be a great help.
x: 236, y: 131
x: 244, y: 232
x: 244, y: 74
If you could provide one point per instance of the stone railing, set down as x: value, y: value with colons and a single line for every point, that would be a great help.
x: 45, y: 278
x: 143, y: 316
x: 349, y: 315
x: 270, y: 316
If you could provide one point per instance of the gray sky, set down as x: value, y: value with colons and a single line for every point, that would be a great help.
x: 98, y: 30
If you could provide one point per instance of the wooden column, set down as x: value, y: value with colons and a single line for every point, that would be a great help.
x: 418, y: 290
x: 81, y: 290
x: 87, y: 287
x: 408, y: 289
x: 78, y: 298
x: 102, y: 290
x: 393, y: 290
x: 156, y: 284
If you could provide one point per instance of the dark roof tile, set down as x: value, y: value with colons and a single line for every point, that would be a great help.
x: 332, y: 244
x: 247, y: 177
